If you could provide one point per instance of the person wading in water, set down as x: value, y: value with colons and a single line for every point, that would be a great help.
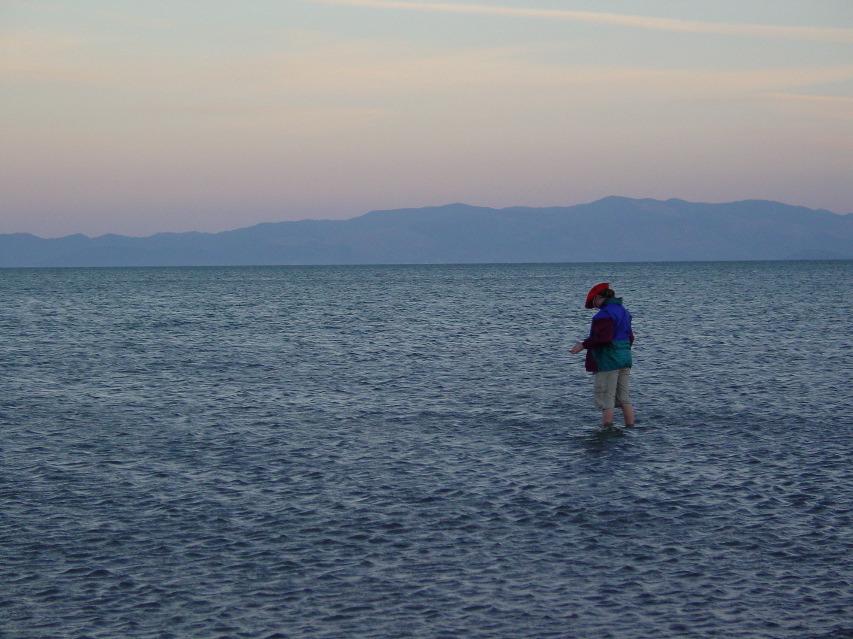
x: 608, y: 353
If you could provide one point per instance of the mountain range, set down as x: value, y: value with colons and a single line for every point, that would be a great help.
x: 613, y: 229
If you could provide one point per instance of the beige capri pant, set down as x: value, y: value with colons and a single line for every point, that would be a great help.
x: 611, y: 388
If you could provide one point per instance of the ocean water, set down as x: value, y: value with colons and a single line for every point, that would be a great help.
x: 412, y: 452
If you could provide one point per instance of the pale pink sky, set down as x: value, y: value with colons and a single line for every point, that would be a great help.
x: 135, y: 118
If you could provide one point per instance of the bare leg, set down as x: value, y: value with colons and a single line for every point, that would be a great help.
x: 607, y: 417
x: 628, y: 414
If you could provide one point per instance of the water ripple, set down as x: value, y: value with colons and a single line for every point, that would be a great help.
x: 410, y: 452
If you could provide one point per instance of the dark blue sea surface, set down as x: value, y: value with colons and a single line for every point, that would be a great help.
x: 412, y: 452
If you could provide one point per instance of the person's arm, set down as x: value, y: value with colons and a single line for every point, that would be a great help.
x: 601, y: 334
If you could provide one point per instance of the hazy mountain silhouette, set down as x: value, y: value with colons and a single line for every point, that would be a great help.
x: 611, y: 229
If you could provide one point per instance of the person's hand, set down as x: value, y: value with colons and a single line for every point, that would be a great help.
x: 577, y: 348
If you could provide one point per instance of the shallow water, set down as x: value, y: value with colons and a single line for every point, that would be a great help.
x: 412, y: 452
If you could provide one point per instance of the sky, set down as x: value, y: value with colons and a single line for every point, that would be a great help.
x: 209, y: 115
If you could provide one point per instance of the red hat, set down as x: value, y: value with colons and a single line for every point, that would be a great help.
x: 595, y: 290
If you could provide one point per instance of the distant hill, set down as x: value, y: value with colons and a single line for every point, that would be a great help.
x: 611, y: 229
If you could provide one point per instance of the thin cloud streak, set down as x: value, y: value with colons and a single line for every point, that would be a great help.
x: 832, y: 99
x: 139, y: 22
x: 827, y: 106
x: 825, y: 34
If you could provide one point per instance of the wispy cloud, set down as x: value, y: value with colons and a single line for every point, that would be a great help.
x: 137, y: 21
x: 831, y: 99
x: 312, y: 69
x: 827, y: 106
x: 826, y: 34
x: 34, y: 55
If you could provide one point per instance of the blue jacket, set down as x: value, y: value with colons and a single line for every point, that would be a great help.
x: 610, y: 338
